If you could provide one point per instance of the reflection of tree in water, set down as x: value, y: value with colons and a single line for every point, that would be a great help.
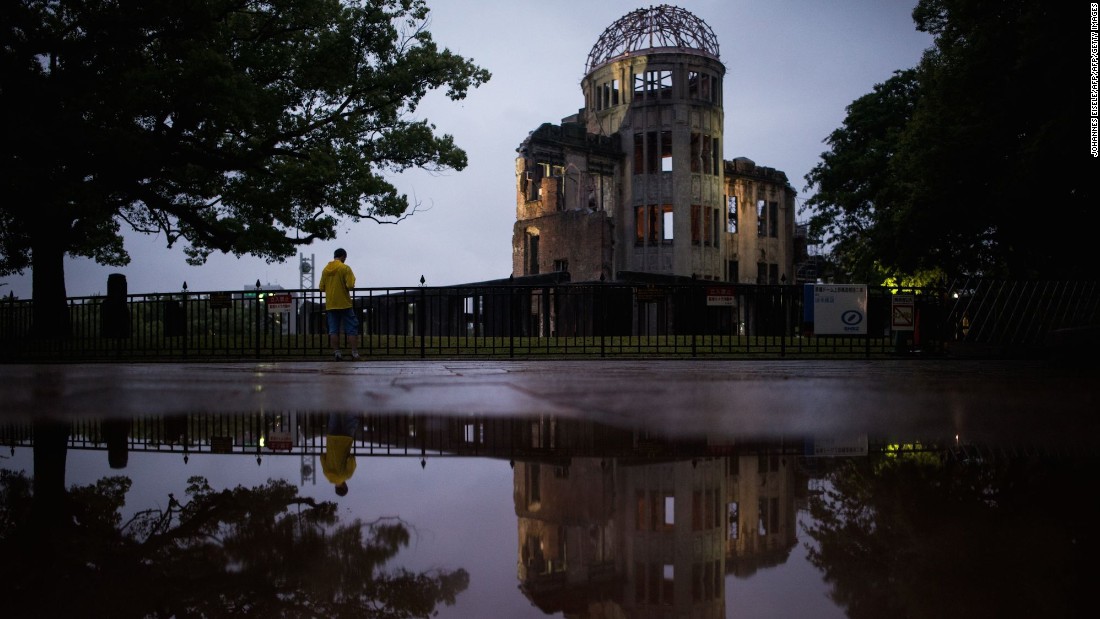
x: 925, y: 536
x: 263, y: 552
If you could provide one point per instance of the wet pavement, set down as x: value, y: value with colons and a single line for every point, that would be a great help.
x: 987, y: 400
x: 581, y: 489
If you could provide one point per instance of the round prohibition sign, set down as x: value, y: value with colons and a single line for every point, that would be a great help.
x: 851, y: 317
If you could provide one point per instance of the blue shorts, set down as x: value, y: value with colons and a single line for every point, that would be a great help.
x: 344, y: 424
x: 345, y: 317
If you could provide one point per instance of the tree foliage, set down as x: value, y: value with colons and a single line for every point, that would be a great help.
x: 959, y: 163
x: 854, y: 178
x: 239, y: 126
x: 919, y: 536
x: 261, y: 551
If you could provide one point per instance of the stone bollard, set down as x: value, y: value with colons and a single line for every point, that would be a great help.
x: 115, y: 312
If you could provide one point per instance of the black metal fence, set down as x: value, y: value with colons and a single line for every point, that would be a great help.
x: 1020, y: 313
x: 539, y: 438
x: 696, y: 319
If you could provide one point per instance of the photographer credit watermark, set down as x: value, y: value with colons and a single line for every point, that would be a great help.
x: 1094, y: 39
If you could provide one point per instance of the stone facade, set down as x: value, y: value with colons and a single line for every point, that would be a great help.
x: 760, y: 228
x: 635, y: 181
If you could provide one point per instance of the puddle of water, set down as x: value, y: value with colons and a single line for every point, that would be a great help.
x: 535, y: 517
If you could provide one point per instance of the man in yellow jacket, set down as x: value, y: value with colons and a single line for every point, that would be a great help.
x: 337, y: 461
x: 337, y: 281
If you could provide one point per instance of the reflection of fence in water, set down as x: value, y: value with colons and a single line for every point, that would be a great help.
x: 518, y: 438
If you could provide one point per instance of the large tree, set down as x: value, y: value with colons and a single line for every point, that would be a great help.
x: 239, y: 126
x: 980, y: 174
x: 854, y: 179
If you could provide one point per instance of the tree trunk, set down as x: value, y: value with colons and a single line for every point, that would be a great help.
x: 49, y: 510
x: 50, y: 303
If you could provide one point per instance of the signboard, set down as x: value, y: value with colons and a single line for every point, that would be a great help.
x: 221, y: 300
x: 833, y: 446
x: 721, y: 297
x: 221, y: 444
x: 840, y: 309
x: 903, y: 312
x: 279, y: 441
x: 279, y: 302
x: 649, y: 293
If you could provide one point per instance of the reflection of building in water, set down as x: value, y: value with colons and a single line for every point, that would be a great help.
x: 648, y: 534
x: 760, y: 498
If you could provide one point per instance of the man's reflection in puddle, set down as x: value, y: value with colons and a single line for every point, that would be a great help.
x: 337, y: 461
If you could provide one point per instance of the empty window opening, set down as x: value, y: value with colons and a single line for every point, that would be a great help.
x: 532, y: 253
x: 715, y: 157
x: 708, y: 229
x: 731, y: 215
x: 715, y: 229
x: 645, y: 224
x: 652, y: 85
x: 534, y: 485
x: 666, y: 151
x: 653, y: 152
x: 532, y: 181
x: 668, y: 582
x: 696, y: 153
x: 733, y: 519
x: 664, y: 84
x: 695, y: 236
x: 474, y: 433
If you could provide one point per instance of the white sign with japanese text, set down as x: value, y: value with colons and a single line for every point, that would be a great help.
x: 903, y: 312
x: 840, y: 309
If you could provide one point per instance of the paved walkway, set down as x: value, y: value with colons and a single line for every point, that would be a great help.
x: 1007, y: 401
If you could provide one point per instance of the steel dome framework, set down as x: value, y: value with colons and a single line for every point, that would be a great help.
x: 663, y: 26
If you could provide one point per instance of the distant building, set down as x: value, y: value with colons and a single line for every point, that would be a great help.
x: 635, y: 181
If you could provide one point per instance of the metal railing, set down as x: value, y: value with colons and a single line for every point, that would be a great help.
x: 530, y: 321
x: 303, y: 433
x: 1020, y: 313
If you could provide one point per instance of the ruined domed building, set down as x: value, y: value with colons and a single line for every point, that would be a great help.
x: 635, y: 182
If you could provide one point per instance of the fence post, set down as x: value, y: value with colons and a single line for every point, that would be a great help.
x: 511, y: 324
x: 783, y: 317
x: 420, y: 317
x: 695, y: 319
x: 603, y: 319
x: 259, y: 318
x: 183, y: 304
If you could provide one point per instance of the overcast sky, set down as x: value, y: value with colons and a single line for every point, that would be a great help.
x: 792, y: 67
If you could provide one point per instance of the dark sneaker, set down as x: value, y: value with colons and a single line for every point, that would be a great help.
x: 338, y: 356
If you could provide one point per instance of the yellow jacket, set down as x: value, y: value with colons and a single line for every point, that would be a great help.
x: 337, y: 463
x: 336, y: 281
